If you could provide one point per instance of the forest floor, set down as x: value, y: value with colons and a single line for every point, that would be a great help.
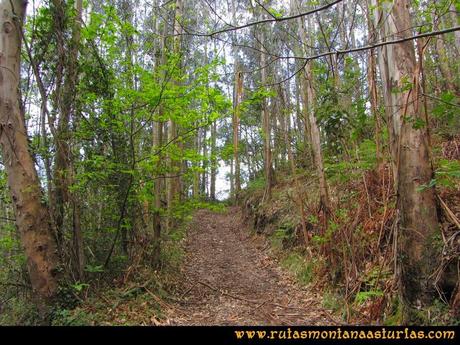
x: 230, y: 278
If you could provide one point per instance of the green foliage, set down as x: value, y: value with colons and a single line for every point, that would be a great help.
x: 275, y: 13
x: 301, y: 268
x: 18, y: 311
x: 256, y: 184
x: 94, y: 268
x: 79, y: 287
x: 447, y: 175
x: 127, y: 87
x: 332, y: 301
x: 366, y: 154
x: 395, y: 316
x: 446, y: 112
x: 363, y: 296
x: 313, y: 219
x: 76, y: 317
x: 119, y: 100
x: 345, y: 170
x: 277, y: 238
x: 372, y: 278
x: 405, y: 84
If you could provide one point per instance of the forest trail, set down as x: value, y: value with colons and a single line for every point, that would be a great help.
x: 230, y: 279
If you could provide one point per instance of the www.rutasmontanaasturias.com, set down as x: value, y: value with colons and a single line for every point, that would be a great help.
x: 379, y: 333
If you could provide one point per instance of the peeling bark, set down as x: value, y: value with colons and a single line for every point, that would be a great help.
x: 418, y: 224
x: 32, y: 216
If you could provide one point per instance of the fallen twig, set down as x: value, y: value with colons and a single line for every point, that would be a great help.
x: 188, y: 290
x: 449, y: 213
x: 226, y: 293
x: 223, y: 293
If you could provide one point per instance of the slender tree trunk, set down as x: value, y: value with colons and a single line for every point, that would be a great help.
x: 298, y: 187
x: 418, y: 225
x: 284, y: 120
x: 71, y: 89
x: 266, y: 129
x: 126, y: 155
x: 64, y: 173
x: 455, y: 21
x: 61, y: 135
x: 443, y: 64
x: 158, y: 135
x: 32, y: 216
x: 172, y: 183
x: 276, y: 125
x: 232, y: 178
x: 213, y: 161
x: 299, y: 118
x: 236, y: 125
x: 314, y: 129
x: 237, y: 98
x: 389, y: 75
x: 316, y: 144
x: 373, y: 93
x: 371, y: 74
x: 157, y: 186
x: 303, y: 113
x: 196, y: 174
x: 204, y: 165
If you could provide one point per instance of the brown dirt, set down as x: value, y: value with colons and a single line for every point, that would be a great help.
x: 230, y: 279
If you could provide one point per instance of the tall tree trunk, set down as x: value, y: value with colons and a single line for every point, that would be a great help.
x: 373, y: 93
x: 196, y: 173
x: 284, y: 123
x: 61, y: 135
x: 203, y: 184
x: 418, y: 225
x: 70, y: 90
x: 443, y: 64
x: 126, y: 153
x: 455, y: 21
x: 303, y: 113
x: 316, y: 143
x: 32, y: 216
x: 266, y: 128
x: 157, y: 186
x: 158, y: 136
x: 232, y: 178
x: 172, y: 183
x: 298, y: 187
x: 213, y: 160
x: 314, y: 129
x: 238, y: 95
x: 64, y: 173
x: 237, y: 98
x: 388, y: 70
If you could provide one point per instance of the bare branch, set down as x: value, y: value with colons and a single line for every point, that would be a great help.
x: 263, y: 21
x: 380, y: 44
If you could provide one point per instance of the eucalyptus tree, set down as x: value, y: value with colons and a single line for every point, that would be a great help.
x: 408, y: 128
x: 32, y: 215
x: 65, y: 105
x: 308, y: 86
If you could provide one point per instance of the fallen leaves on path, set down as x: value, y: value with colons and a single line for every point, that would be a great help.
x: 228, y: 279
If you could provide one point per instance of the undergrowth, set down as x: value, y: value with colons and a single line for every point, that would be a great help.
x: 133, y: 294
x: 350, y: 258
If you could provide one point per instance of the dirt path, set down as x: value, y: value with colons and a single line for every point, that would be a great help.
x: 229, y: 279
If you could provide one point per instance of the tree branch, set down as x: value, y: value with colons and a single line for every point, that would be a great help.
x: 263, y: 21
x: 367, y: 47
x: 379, y: 44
